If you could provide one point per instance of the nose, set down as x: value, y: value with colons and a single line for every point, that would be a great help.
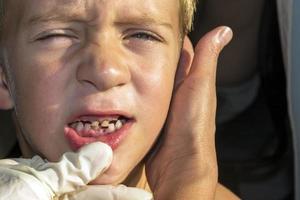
x: 103, y: 66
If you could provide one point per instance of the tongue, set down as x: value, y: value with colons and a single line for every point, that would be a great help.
x: 87, y: 133
x: 76, y: 141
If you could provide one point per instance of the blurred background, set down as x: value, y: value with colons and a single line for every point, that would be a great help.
x: 253, y: 136
x: 7, y: 137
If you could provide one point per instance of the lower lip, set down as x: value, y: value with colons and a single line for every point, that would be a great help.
x: 112, y: 139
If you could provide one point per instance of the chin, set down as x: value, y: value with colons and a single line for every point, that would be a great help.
x: 119, y: 175
x: 110, y: 177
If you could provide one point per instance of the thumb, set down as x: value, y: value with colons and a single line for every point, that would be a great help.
x: 207, y: 52
x: 75, y: 169
x: 200, y: 83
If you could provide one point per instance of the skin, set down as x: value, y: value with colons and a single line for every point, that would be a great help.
x: 103, y: 60
x: 188, y: 149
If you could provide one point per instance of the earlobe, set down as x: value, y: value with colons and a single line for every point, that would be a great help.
x: 6, y: 102
x: 185, y: 62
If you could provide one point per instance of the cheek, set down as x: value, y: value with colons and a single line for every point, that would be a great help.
x: 40, y: 78
x: 40, y: 90
x: 155, y: 86
x: 154, y: 83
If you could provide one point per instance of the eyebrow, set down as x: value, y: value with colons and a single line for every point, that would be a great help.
x: 53, y: 17
x: 62, y: 12
x: 144, y: 22
x: 147, y: 22
x: 143, y: 19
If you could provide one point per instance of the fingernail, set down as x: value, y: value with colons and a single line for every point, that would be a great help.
x: 224, y: 36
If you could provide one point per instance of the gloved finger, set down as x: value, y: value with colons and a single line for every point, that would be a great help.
x: 18, y: 185
x: 6, y: 162
x: 107, y: 192
x: 75, y: 169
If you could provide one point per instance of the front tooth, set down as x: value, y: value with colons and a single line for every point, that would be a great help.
x: 95, y: 125
x: 87, y: 127
x: 74, y: 125
x: 111, y: 128
x: 119, y: 124
x: 105, y: 124
x: 79, y: 127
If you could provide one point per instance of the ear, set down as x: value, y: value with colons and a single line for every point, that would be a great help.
x: 6, y: 101
x: 185, y: 61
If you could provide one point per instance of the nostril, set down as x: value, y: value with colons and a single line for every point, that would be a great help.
x: 102, y: 84
x: 88, y: 83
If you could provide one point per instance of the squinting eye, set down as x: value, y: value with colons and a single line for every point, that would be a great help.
x: 145, y: 36
x: 54, y: 36
x: 57, y: 39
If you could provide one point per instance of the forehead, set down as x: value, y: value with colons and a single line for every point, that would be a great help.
x: 160, y: 11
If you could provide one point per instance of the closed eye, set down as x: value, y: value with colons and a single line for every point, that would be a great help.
x: 55, y: 35
x: 57, y: 39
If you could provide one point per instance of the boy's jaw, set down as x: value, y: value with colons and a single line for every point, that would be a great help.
x: 108, y: 127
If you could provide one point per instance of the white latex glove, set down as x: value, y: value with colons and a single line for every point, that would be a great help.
x: 108, y: 192
x: 36, y: 179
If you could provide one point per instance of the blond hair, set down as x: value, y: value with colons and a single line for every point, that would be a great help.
x: 187, y: 9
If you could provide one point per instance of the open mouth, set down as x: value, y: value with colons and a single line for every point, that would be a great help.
x: 100, y: 126
x: 110, y: 129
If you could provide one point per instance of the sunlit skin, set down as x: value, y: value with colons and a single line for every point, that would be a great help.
x: 69, y: 57
x: 111, y: 56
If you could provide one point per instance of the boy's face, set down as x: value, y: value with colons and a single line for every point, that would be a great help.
x: 78, y: 62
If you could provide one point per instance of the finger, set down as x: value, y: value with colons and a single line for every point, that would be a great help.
x: 74, y: 169
x: 207, y: 52
x: 18, y: 185
x: 106, y: 192
x: 201, y: 79
x: 198, y: 90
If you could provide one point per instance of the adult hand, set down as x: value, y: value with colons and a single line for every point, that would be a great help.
x: 185, y: 166
x: 36, y: 179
